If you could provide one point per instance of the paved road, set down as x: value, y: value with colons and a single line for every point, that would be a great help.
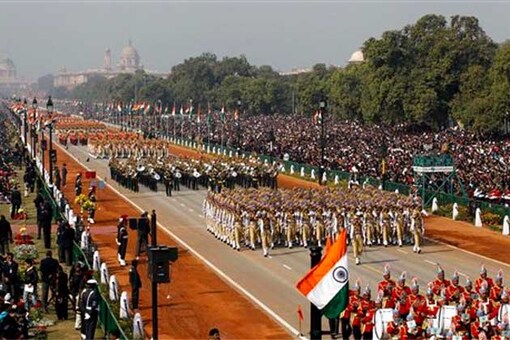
x: 272, y: 280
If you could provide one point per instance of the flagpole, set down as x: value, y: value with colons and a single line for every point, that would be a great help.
x: 315, y: 313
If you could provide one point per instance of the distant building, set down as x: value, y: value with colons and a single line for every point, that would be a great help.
x: 357, y: 57
x: 9, y: 82
x: 295, y: 71
x: 129, y: 62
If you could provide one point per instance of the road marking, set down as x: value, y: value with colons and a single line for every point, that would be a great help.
x: 182, y: 204
x: 287, y: 267
x: 430, y: 262
x: 218, y: 271
x: 191, y: 210
x: 402, y: 251
x: 462, y: 274
x: 200, y: 215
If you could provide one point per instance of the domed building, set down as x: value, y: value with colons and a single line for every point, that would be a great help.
x: 7, y: 71
x: 129, y: 59
x: 357, y: 57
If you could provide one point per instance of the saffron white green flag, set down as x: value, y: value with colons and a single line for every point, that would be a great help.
x: 327, y: 284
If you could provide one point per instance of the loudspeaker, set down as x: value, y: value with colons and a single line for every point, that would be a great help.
x: 159, y: 270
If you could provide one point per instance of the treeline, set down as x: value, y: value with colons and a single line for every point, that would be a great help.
x: 433, y: 74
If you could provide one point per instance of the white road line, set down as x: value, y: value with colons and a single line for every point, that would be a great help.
x: 200, y: 215
x: 402, y: 251
x: 287, y: 267
x: 218, y: 271
x: 430, y: 262
x: 191, y: 210
x: 182, y: 204
x: 462, y: 274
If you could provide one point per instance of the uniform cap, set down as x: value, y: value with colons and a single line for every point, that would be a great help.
x: 455, y: 275
x: 386, y: 269
x: 499, y: 277
x: 483, y: 270
x: 91, y: 282
x: 402, y: 277
x: 439, y: 269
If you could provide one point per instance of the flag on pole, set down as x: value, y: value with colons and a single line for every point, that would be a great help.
x: 236, y: 115
x: 173, y: 110
x: 222, y: 114
x: 327, y: 284
x: 147, y: 109
x: 209, y: 114
x: 300, y: 314
x: 198, y: 114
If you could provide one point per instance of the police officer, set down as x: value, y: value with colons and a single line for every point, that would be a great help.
x: 122, y: 240
x: 89, y: 310
x: 136, y: 284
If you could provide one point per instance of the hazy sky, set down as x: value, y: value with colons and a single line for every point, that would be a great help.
x: 43, y: 36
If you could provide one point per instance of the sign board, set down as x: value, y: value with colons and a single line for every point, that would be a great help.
x: 90, y: 174
x: 428, y: 169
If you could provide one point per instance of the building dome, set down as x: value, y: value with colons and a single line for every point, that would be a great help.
x: 7, y: 70
x: 129, y: 59
x: 357, y: 57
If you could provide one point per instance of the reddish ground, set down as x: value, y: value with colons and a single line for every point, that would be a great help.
x: 481, y: 241
x: 195, y: 301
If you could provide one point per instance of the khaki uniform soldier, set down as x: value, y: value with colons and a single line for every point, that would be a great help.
x: 237, y: 231
x: 417, y: 229
x: 357, y: 238
x: 305, y: 230
x: 385, y: 226
x: 369, y: 229
x: 265, y: 231
x: 319, y: 229
x: 400, y: 227
x: 252, y: 229
x: 290, y: 228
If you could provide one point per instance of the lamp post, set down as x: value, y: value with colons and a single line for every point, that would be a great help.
x: 315, y: 313
x: 322, y: 111
x: 25, y: 122
x: 49, y: 109
x: 32, y: 130
x: 238, y: 126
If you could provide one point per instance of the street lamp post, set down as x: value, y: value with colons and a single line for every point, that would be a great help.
x: 238, y: 127
x: 49, y: 109
x: 25, y: 122
x: 322, y: 111
x: 315, y: 313
x: 32, y: 130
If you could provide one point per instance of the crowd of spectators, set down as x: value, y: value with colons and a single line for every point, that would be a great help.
x: 482, y: 165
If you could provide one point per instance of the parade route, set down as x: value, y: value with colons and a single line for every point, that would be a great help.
x: 270, y: 282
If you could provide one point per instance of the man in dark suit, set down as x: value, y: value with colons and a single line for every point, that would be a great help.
x: 64, y: 174
x: 5, y: 235
x: 48, y: 268
x: 15, y: 201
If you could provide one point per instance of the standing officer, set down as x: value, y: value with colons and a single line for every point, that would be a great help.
x: 89, y: 310
x: 136, y: 284
x: 142, y: 234
x: 77, y: 185
x: 122, y: 240
x: 64, y: 174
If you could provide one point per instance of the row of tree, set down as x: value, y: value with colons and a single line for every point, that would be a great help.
x: 431, y: 74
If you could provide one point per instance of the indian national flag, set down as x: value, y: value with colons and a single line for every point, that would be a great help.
x: 327, y: 284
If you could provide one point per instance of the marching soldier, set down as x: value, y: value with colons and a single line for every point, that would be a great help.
x: 417, y: 229
x: 357, y: 238
x: 168, y: 183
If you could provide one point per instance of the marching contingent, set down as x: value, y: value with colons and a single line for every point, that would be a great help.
x: 302, y: 217
x: 244, y: 209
